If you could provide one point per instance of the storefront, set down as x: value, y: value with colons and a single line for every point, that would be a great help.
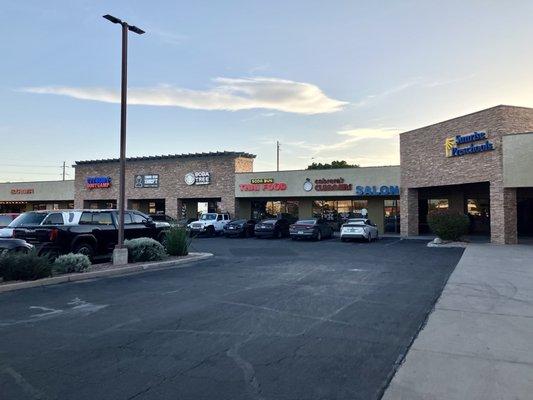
x: 335, y: 194
x: 17, y: 197
x: 181, y: 186
x: 479, y: 164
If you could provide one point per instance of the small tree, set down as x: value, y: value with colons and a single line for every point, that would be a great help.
x: 448, y: 225
x: 334, y: 165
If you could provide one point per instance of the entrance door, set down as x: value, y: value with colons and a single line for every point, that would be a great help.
x: 478, y: 211
x: 525, y: 217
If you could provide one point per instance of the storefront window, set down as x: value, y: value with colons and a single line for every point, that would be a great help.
x: 270, y: 209
x: 437, y: 204
x: 339, y: 210
x: 391, y: 210
x: 478, y: 211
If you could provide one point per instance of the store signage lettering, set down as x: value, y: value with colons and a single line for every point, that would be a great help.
x: 452, y: 149
x: 22, y: 191
x: 98, y: 182
x: 198, y: 178
x: 262, y: 180
x: 383, y: 190
x: 265, y: 187
x: 332, y: 185
x: 146, y: 181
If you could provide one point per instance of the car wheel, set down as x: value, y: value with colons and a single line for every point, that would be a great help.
x: 278, y: 234
x: 52, y: 254
x: 84, y: 248
x: 369, y: 238
x: 344, y: 239
x: 319, y: 236
x: 210, y: 231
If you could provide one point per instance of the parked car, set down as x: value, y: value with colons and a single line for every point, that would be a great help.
x: 315, y: 228
x: 40, y: 218
x: 359, y: 228
x: 14, y: 245
x: 184, y: 222
x: 95, y: 232
x: 210, y: 224
x: 163, y: 218
x: 240, y: 227
x: 275, y: 228
x: 6, y: 219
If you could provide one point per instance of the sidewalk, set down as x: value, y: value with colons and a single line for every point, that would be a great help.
x: 478, y: 342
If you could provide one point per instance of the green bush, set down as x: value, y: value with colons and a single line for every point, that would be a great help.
x: 144, y: 249
x: 448, y: 225
x: 177, y: 241
x: 71, y: 262
x: 24, y: 266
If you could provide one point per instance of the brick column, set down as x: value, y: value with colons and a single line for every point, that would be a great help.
x: 171, y: 207
x: 409, y: 212
x: 503, y: 218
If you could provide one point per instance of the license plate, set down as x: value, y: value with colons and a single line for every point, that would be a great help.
x: 300, y: 232
x: 231, y: 227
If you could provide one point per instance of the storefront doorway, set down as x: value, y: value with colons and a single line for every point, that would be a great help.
x: 154, y: 206
x: 193, y: 208
x: 469, y: 199
x: 525, y: 212
x: 262, y: 209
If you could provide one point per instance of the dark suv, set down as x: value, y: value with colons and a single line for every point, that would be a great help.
x: 95, y: 232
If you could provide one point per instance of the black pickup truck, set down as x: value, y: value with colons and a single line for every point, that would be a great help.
x: 90, y: 232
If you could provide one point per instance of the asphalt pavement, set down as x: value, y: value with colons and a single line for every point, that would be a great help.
x: 262, y: 319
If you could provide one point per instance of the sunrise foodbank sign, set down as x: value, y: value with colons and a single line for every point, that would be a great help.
x: 461, y: 145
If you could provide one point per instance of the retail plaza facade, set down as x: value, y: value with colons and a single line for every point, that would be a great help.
x: 479, y: 164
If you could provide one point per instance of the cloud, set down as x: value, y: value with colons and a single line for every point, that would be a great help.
x: 363, y: 146
x: 410, y: 83
x: 229, y: 94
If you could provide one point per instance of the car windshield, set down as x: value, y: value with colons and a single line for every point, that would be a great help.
x: 356, y: 221
x: 269, y: 221
x: 30, y: 218
x: 208, y: 217
x: 307, y: 222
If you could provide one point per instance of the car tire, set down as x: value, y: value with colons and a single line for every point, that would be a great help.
x: 369, y: 238
x: 319, y: 236
x: 210, y: 231
x: 52, y: 254
x: 278, y: 234
x: 344, y: 239
x: 84, y: 248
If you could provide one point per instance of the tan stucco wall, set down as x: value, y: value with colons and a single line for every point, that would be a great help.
x: 42, y: 191
x: 378, y: 176
x: 518, y: 160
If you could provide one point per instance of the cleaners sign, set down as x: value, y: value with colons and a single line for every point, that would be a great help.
x: 461, y: 145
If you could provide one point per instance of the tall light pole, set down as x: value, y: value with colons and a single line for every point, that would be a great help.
x: 277, y: 155
x: 123, y: 105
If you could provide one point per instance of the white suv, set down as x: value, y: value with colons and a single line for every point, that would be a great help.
x: 210, y: 223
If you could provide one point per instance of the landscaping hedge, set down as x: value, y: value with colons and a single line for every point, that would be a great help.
x: 15, y: 266
x: 448, y: 225
x: 144, y: 249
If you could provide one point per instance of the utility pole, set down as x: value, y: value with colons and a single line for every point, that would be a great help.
x: 64, y: 166
x: 123, y: 106
x: 277, y: 155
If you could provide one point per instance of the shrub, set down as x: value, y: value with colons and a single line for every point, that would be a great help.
x: 71, y: 262
x: 144, y: 249
x: 24, y: 266
x: 448, y: 225
x: 177, y: 241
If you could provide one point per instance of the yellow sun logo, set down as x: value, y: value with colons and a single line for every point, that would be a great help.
x: 448, y: 146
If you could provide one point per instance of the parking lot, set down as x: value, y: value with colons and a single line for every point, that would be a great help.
x: 262, y: 319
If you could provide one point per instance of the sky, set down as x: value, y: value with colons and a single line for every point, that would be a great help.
x: 329, y: 79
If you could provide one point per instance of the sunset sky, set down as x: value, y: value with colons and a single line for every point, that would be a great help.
x: 329, y: 80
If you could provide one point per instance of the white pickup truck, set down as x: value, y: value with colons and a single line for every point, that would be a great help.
x: 210, y: 224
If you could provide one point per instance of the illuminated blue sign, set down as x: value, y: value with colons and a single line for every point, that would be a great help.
x: 383, y: 190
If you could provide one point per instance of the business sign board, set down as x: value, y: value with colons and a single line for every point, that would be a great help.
x: 198, y: 178
x: 146, y: 181
x: 98, y: 182
x: 267, y: 187
x: 22, y: 191
x: 461, y: 145
x: 262, y: 180
x: 383, y: 190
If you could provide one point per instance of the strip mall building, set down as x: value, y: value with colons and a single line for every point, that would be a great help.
x: 480, y: 164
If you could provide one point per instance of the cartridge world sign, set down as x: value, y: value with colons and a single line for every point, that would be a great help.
x: 460, y: 145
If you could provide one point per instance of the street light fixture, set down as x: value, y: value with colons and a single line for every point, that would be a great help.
x: 123, y: 105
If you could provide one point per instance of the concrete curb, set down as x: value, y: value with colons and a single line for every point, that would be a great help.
x: 135, y: 268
